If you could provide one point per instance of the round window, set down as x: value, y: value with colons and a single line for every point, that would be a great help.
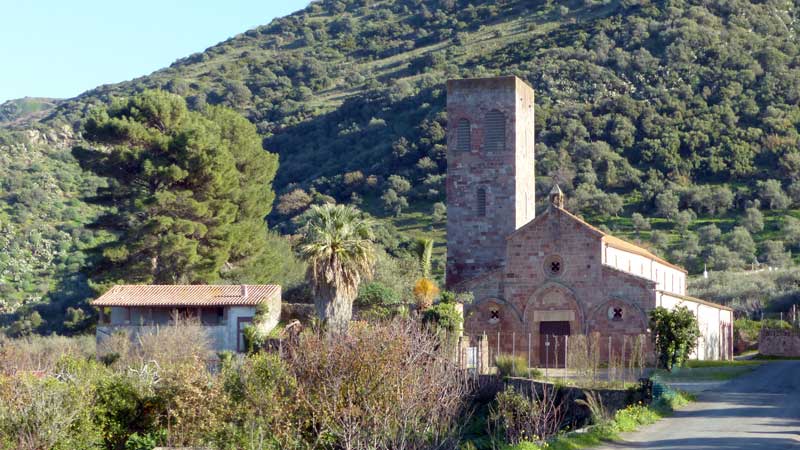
x: 553, y: 266
x: 615, y: 313
x: 494, y: 315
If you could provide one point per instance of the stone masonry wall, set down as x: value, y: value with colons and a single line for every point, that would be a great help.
x: 779, y: 342
x: 476, y: 244
x: 583, y: 293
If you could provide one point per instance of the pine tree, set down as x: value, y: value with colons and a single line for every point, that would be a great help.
x: 187, y: 192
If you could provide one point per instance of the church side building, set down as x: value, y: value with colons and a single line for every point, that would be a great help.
x: 551, y: 274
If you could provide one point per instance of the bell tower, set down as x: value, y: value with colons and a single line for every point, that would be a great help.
x: 490, y: 171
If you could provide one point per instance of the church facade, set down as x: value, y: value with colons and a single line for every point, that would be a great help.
x: 537, y: 277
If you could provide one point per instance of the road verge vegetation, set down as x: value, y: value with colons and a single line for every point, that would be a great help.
x: 625, y: 420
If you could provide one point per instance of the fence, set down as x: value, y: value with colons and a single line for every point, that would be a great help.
x: 595, y: 358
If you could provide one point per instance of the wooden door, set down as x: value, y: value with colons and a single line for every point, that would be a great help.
x: 552, y: 343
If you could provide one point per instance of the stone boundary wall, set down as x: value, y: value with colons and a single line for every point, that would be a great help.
x: 488, y: 386
x: 776, y: 342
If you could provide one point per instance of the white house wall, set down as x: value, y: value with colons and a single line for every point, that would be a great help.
x: 668, y: 278
x: 710, y: 320
x: 223, y: 336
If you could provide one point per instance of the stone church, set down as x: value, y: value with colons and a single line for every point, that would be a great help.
x: 552, y: 274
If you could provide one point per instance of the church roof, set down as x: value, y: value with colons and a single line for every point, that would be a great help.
x: 611, y: 241
x: 695, y: 300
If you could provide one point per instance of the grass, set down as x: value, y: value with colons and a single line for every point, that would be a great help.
x: 760, y: 357
x: 707, y: 371
x: 625, y: 420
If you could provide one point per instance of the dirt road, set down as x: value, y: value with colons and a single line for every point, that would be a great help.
x: 759, y: 410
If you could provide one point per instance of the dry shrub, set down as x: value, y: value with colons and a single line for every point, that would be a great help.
x: 594, y: 403
x: 184, y: 341
x: 42, y: 353
x: 195, y: 402
x: 516, y: 417
x: 45, y: 413
x: 380, y: 386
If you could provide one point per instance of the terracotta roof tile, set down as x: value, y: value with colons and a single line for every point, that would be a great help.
x: 188, y: 295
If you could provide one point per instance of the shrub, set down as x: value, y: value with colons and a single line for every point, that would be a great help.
x: 123, y: 407
x: 42, y: 353
x: 400, y: 387
x: 518, y: 418
x: 45, y: 413
x: 675, y: 334
x: 511, y: 366
x: 445, y: 316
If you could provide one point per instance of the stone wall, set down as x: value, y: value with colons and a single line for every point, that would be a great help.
x: 576, y: 416
x: 478, y: 159
x: 773, y: 342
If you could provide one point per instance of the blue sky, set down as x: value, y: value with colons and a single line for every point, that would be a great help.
x: 60, y: 48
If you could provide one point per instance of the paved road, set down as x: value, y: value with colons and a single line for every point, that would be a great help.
x: 759, y: 410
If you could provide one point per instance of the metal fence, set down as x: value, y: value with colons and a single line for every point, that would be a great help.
x: 619, y: 357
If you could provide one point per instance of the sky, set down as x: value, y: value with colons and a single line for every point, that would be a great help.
x: 60, y: 48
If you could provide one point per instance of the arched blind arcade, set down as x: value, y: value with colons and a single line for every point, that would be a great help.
x: 495, y: 131
x: 481, y: 200
x: 463, y: 138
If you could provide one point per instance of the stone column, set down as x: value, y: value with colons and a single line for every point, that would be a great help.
x: 483, y: 355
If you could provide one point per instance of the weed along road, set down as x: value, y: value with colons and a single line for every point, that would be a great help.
x: 759, y: 410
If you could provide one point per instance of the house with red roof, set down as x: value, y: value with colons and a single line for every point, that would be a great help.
x: 224, y: 310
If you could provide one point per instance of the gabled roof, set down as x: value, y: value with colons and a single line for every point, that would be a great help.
x: 611, y: 241
x: 188, y: 295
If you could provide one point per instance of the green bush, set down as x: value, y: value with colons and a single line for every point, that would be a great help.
x: 512, y: 366
x: 443, y: 315
x: 675, y: 334
x: 122, y: 408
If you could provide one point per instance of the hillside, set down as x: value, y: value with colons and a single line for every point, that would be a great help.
x: 25, y: 110
x: 683, y: 112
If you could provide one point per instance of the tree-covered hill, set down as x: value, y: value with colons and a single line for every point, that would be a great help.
x: 673, y: 122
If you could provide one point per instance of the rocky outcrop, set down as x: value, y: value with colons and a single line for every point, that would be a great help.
x: 60, y: 137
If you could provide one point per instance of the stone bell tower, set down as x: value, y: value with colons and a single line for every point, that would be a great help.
x: 490, y: 171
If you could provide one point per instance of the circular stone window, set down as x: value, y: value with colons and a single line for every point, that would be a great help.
x: 615, y: 313
x: 553, y: 266
x: 494, y: 315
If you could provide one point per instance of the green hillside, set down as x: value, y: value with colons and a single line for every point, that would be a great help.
x: 25, y: 109
x: 684, y: 112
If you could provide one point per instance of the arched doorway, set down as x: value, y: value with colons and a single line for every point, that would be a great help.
x: 552, y: 314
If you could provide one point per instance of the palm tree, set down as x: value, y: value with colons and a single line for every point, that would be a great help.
x: 425, y: 290
x: 337, y: 244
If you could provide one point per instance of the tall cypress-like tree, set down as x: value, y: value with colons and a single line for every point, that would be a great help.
x: 187, y: 192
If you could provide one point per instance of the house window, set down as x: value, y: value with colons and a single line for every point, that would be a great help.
x: 463, y: 138
x: 495, y: 131
x: 481, y: 202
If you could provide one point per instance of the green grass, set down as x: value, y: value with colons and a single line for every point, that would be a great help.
x: 707, y: 371
x: 760, y: 357
x: 696, y: 364
x: 625, y: 420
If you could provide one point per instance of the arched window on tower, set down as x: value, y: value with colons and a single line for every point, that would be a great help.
x: 463, y: 138
x: 494, y: 131
x: 481, y: 202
